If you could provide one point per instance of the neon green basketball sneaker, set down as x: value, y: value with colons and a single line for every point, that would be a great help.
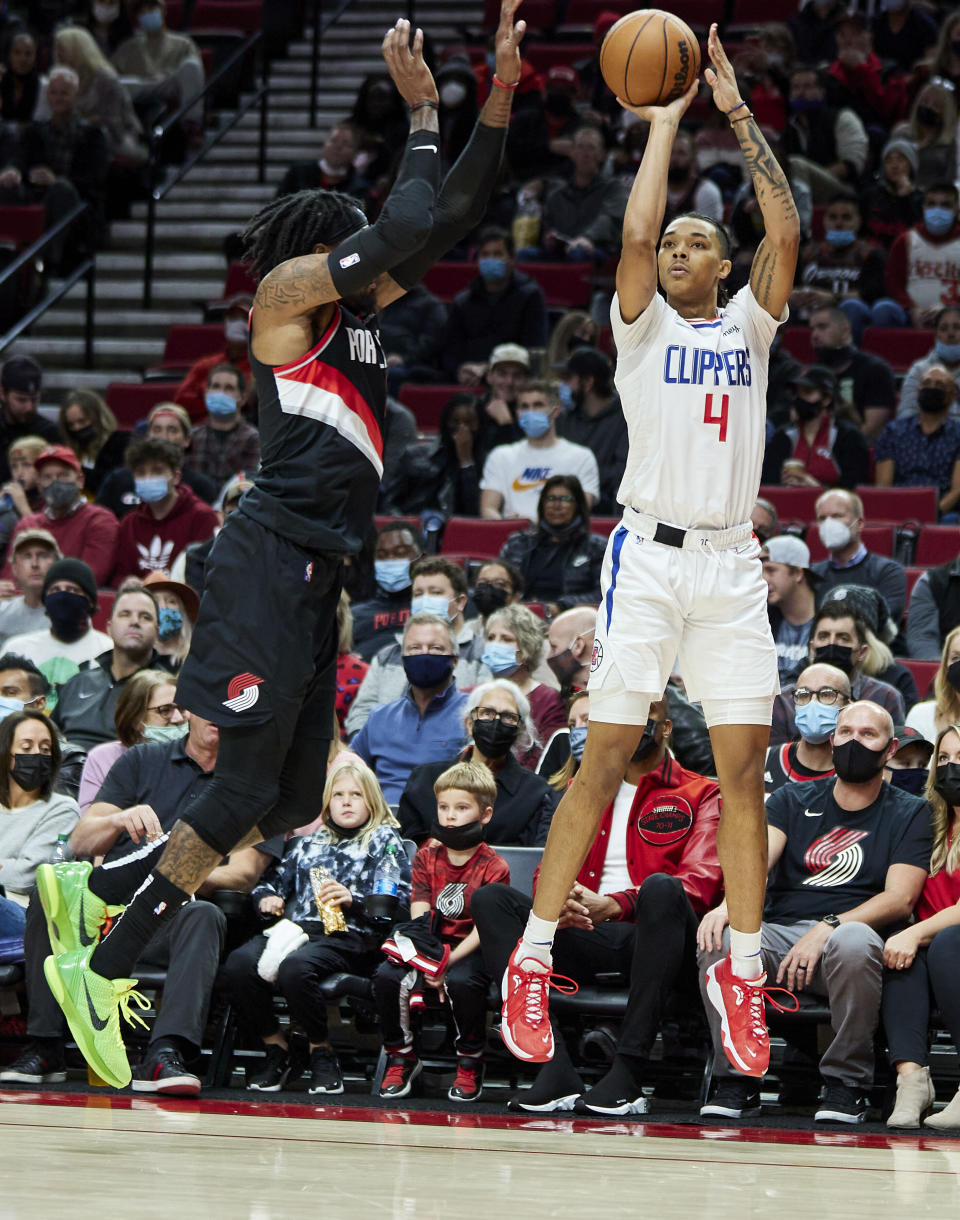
x: 76, y: 917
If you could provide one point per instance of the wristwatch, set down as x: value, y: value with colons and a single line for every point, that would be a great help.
x: 832, y: 920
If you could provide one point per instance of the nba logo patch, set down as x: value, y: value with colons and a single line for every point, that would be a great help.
x: 597, y: 659
x: 350, y: 261
x: 308, y: 572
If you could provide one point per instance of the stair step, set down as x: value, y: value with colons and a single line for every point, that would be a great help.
x: 56, y: 381
x: 249, y: 137
x: 121, y: 262
x: 115, y: 323
x: 245, y: 173
x: 253, y: 192
x: 107, y: 352
x: 187, y: 209
x: 187, y: 290
x: 209, y: 234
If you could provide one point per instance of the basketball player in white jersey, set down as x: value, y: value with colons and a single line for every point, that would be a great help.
x: 682, y: 574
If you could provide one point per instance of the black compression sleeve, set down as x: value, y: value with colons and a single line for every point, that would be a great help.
x: 462, y: 203
x: 403, y: 225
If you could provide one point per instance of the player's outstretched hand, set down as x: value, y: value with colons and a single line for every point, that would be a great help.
x: 673, y: 111
x: 721, y: 77
x: 406, y: 65
x: 509, y: 36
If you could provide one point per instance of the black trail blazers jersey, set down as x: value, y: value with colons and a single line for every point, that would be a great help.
x: 321, y: 439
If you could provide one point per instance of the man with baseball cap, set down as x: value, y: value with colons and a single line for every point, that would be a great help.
x: 191, y: 392
x: 790, y: 600
x: 594, y: 418
x: 20, y: 382
x: 909, y: 768
x: 69, y: 595
x: 32, y: 553
x: 81, y: 530
x: 508, y: 370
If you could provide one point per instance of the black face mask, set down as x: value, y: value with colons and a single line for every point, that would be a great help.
x: 856, y: 763
x: 840, y: 655
x: 928, y: 117
x: 832, y: 356
x: 493, y: 738
x: 678, y: 173
x: 558, y: 105
x: 565, y: 666
x: 68, y: 614
x: 947, y: 783
x: 563, y: 532
x: 910, y: 779
x: 32, y: 771
x: 806, y: 410
x: 459, y: 838
x: 647, y: 743
x: 953, y: 675
x: 487, y: 598
x: 932, y: 400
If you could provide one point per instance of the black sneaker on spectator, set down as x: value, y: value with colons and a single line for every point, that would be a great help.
x: 555, y: 1088
x: 325, y: 1074
x: 733, y: 1097
x: 841, y: 1103
x: 468, y: 1084
x: 273, y: 1075
x: 616, y: 1093
x: 36, y: 1064
x: 163, y: 1071
x: 402, y: 1071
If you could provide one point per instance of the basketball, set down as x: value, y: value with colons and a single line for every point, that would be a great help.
x: 649, y: 57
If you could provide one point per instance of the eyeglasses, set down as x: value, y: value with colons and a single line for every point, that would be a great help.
x: 826, y: 695
x: 510, y: 719
x: 558, y: 500
x: 165, y: 710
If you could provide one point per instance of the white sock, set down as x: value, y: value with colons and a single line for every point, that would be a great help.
x: 745, y: 954
x: 537, y: 940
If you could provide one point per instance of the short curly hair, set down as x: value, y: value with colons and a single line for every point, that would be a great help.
x: 529, y: 630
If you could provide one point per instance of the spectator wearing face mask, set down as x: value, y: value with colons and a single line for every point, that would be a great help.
x: 69, y: 597
x: 925, y: 448
x: 457, y: 89
x: 83, y: 531
x: 162, y: 63
x: 909, y: 768
x: 932, y: 716
x: 903, y: 33
x: 820, y: 692
x: 932, y: 131
x: 378, y: 618
x: 863, y: 379
x: 177, y: 609
x: 840, y: 522
x: 816, y: 449
x: 224, y: 444
x: 570, y: 647
x: 192, y: 391
x: 945, y: 353
x: 879, y: 632
x: 923, y: 270
x: 827, y: 145
x: 594, y: 417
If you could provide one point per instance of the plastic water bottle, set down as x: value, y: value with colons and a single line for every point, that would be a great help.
x: 382, y: 903
x: 61, y: 853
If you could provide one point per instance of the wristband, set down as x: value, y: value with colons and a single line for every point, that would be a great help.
x: 733, y: 108
x: 741, y: 118
x: 420, y: 106
x: 503, y: 85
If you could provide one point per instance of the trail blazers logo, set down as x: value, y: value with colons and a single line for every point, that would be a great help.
x: 450, y: 901
x: 836, y: 858
x: 243, y: 692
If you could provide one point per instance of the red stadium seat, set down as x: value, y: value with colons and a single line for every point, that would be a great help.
x: 104, y: 607
x: 132, y: 401
x: 937, y: 544
x: 756, y: 13
x: 913, y: 575
x: 923, y: 672
x: 173, y: 14
x: 899, y: 503
x: 238, y: 279
x: 185, y: 344
x: 876, y: 538
x: 479, y: 538
x: 427, y: 401
x: 445, y: 280
x: 796, y: 341
x: 243, y: 15
x: 21, y: 226
x: 900, y: 346
x: 565, y: 285
x: 792, y: 503
x: 585, y: 12
x: 545, y: 55
x: 603, y: 525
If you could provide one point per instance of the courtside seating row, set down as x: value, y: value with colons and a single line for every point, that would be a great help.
x: 245, y: 16
x: 542, y: 15
x: 900, y: 346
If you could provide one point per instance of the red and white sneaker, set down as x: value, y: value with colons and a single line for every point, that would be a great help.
x: 743, y: 1023
x: 525, y: 1025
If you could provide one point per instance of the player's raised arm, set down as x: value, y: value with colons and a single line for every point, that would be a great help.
x: 643, y: 218
x: 301, y: 285
x: 775, y: 263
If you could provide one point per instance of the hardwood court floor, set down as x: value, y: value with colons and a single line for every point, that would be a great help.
x: 73, y: 1156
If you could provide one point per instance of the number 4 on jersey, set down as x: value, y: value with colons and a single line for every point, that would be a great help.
x: 721, y: 419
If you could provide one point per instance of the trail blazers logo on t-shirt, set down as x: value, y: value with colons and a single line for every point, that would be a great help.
x: 450, y: 901
x: 834, y: 859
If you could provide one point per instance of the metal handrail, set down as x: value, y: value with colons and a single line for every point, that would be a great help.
x: 319, y: 29
x: 86, y: 269
x: 157, y: 192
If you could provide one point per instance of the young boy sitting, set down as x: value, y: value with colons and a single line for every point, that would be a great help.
x: 447, y: 870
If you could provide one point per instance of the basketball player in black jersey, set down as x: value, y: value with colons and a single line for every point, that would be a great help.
x: 263, y: 659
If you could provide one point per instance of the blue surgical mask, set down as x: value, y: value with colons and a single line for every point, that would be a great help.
x: 151, y: 490
x: 165, y: 732
x: 938, y: 220
x: 170, y: 622
x: 805, y: 105
x: 428, y: 669
x: 10, y: 705
x: 841, y: 237
x: 565, y: 394
x: 151, y: 21
x: 429, y: 603
x: 534, y: 423
x: 578, y: 739
x: 492, y: 269
x: 500, y: 658
x: 220, y: 404
x: 816, y: 721
x: 948, y: 352
x: 392, y: 574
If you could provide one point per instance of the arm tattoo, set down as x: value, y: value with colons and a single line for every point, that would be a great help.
x: 769, y: 180
x: 298, y: 285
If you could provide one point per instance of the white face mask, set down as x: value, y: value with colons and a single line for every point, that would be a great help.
x: 453, y: 92
x: 235, y: 330
x: 834, y: 534
x: 105, y: 13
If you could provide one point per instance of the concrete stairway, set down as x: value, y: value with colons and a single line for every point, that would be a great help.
x: 214, y: 200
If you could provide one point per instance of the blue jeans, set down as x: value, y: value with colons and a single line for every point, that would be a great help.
x: 12, y: 920
x: 883, y: 312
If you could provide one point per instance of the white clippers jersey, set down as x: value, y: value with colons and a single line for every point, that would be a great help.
x: 694, y: 395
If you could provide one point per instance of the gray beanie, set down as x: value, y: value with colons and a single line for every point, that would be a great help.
x: 905, y: 148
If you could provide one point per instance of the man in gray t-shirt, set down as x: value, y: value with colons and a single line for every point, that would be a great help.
x: 33, y: 553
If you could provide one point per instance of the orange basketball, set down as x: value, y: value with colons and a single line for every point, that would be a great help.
x: 649, y: 57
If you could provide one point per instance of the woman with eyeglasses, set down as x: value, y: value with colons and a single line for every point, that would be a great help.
x: 923, y: 961
x: 498, y: 722
x: 559, y: 557
x: 146, y: 711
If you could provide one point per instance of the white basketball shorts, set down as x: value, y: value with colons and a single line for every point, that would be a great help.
x: 705, y: 602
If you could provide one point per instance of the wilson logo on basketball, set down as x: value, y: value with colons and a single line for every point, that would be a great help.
x: 663, y: 820
x: 243, y: 692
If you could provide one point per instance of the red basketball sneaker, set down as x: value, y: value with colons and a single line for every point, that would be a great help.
x: 743, y: 1023
x: 525, y: 1025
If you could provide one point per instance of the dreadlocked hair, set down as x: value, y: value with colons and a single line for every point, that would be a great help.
x: 292, y: 225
